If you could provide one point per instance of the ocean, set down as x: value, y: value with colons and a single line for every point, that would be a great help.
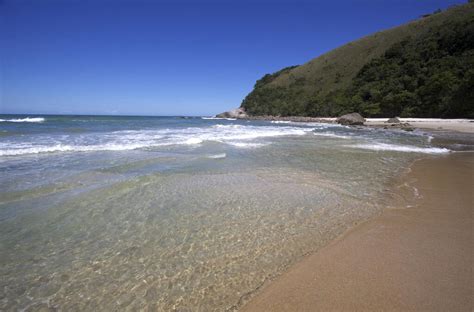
x: 178, y: 213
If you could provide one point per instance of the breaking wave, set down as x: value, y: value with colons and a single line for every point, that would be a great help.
x: 239, y: 136
x: 217, y: 118
x: 332, y: 135
x: 27, y: 119
x: 401, y: 148
x: 217, y: 156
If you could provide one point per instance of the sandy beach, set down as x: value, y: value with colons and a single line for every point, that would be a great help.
x: 431, y: 124
x: 172, y: 214
x: 459, y: 125
x: 418, y: 258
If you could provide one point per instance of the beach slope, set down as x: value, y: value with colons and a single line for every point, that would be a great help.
x: 417, y: 258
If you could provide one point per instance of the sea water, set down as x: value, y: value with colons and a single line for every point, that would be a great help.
x: 173, y: 213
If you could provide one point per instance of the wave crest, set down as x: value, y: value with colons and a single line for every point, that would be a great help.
x: 239, y: 136
x: 401, y: 148
x: 27, y: 119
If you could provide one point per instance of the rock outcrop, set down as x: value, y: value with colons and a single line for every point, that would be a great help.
x: 353, y: 119
x: 235, y: 113
x: 393, y: 120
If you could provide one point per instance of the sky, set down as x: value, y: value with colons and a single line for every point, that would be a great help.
x: 169, y: 57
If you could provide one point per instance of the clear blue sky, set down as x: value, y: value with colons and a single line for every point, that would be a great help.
x: 169, y: 58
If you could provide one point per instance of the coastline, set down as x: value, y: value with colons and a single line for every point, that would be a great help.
x: 269, y: 207
x: 411, y: 258
x: 432, y: 124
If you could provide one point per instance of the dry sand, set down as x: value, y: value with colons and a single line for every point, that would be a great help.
x: 409, y: 259
x: 460, y: 125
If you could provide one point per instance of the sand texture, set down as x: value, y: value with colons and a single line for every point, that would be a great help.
x: 459, y: 125
x: 411, y: 259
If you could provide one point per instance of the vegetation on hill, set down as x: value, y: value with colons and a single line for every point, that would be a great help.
x: 423, y: 69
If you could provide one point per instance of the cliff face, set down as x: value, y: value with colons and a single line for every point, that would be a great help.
x: 423, y: 68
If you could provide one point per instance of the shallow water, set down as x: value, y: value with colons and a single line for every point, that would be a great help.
x: 104, y: 213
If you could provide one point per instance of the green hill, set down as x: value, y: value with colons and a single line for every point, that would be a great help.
x: 424, y: 68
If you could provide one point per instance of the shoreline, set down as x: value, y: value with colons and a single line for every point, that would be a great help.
x: 432, y: 124
x: 406, y: 258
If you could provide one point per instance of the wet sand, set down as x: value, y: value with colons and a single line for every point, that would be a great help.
x: 416, y: 258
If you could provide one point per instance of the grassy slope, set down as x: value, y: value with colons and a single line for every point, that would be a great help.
x: 336, y: 69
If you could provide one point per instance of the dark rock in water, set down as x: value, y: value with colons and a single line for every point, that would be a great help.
x: 352, y: 119
x: 235, y: 113
x: 290, y: 118
x: 400, y: 125
x: 393, y: 120
x: 404, y: 126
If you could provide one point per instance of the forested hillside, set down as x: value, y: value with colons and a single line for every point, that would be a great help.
x: 423, y: 69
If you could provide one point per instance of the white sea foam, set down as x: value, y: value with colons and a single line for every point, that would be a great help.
x: 331, y: 135
x: 217, y: 118
x: 27, y: 119
x: 192, y: 141
x: 68, y: 148
x: 227, y: 126
x: 91, y: 148
x: 241, y: 136
x: 239, y: 132
x: 400, y: 148
x: 280, y: 121
x: 246, y: 145
x: 218, y: 156
x: 320, y: 125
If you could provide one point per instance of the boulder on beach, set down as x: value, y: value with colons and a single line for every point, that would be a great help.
x: 352, y: 119
x: 234, y: 113
x: 393, y: 120
x: 406, y: 126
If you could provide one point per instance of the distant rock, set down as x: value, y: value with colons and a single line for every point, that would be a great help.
x: 235, y: 113
x: 406, y: 126
x: 393, y: 120
x: 352, y: 119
